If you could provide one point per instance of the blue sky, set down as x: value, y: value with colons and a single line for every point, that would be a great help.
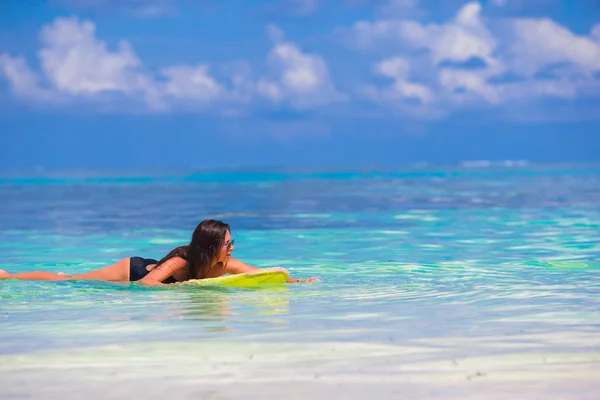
x: 158, y: 84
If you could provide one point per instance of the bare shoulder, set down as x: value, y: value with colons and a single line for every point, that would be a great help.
x: 235, y: 266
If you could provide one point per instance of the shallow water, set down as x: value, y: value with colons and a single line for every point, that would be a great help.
x: 428, y: 276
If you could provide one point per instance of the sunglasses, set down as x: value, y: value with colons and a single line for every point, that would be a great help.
x: 229, y: 243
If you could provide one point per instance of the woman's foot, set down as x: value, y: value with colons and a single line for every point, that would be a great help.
x: 4, y: 274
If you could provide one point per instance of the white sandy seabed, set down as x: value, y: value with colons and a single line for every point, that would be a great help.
x: 327, y: 370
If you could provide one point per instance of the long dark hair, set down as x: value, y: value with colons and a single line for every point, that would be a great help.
x: 207, y: 240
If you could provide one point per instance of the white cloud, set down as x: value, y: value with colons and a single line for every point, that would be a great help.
x: 366, y: 34
x: 191, y: 83
x: 428, y: 68
x: 463, y: 38
x: 301, y: 79
x: 398, y: 69
x: 542, y: 42
x: 595, y: 33
x: 22, y: 80
x: 458, y: 41
x: 499, y: 3
x: 75, y: 62
x: 465, y: 85
x: 449, y: 74
x: 275, y: 34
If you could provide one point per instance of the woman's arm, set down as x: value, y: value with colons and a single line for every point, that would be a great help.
x: 163, y: 271
x: 34, y: 276
x: 234, y: 266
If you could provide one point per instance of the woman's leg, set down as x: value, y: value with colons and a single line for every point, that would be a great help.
x: 118, y: 272
x: 33, y: 276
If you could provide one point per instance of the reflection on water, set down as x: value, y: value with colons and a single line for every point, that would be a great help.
x: 222, y: 308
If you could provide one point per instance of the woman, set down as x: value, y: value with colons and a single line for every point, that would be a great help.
x: 208, y: 255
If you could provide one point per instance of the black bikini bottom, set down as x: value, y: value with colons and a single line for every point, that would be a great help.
x: 137, y: 269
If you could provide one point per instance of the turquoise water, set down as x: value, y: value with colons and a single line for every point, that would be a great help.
x: 428, y: 276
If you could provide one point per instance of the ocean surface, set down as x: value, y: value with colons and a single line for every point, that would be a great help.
x: 468, y: 281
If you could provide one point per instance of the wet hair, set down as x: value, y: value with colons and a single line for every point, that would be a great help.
x: 203, y: 249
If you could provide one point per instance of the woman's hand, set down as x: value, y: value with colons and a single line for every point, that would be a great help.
x: 4, y: 274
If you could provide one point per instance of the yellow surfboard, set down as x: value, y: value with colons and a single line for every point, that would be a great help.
x: 265, y: 276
